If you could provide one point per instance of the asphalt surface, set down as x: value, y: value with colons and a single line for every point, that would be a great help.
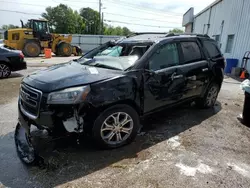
x: 181, y: 147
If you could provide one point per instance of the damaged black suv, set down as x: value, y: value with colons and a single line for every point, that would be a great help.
x: 106, y: 92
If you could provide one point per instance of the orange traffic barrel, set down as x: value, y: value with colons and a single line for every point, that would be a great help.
x: 47, y: 53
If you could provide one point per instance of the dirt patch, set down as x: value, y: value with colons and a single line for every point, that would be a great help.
x: 9, y: 89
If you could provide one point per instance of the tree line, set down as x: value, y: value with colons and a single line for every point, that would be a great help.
x: 63, y: 19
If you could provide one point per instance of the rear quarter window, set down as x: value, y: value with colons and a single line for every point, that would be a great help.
x: 212, y: 49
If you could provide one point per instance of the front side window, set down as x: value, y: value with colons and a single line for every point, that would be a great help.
x: 166, y: 56
x: 114, y: 51
x: 191, y: 52
x: 40, y: 26
x: 230, y: 40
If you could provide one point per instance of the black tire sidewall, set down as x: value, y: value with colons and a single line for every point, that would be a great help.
x: 1, y: 77
x: 25, y: 51
x: 60, y: 49
x: 204, y: 100
x: 100, y: 119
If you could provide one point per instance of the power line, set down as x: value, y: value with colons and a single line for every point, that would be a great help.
x: 81, y: 1
x: 141, y: 18
x: 137, y: 8
x: 19, y: 12
x: 150, y: 9
x: 39, y: 5
x: 24, y: 4
x: 139, y: 24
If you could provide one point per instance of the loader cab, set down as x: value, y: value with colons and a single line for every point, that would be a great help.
x: 40, y: 29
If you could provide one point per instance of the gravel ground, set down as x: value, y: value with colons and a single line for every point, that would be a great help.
x: 181, y: 147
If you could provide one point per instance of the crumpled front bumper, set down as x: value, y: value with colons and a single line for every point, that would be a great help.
x: 45, y: 120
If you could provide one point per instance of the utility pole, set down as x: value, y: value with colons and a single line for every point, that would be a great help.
x: 100, y: 17
x: 102, y: 22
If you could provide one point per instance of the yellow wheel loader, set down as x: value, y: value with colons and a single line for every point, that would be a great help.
x: 36, y: 37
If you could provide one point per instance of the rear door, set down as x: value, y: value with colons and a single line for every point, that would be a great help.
x: 163, y: 83
x: 194, y: 67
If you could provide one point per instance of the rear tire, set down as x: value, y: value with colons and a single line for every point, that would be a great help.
x: 5, y: 70
x: 116, y: 126
x: 31, y: 49
x: 64, y: 49
x: 210, y: 96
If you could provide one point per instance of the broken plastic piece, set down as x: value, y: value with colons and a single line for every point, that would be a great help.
x: 245, y: 85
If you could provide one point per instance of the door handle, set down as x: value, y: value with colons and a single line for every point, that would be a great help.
x: 205, y: 69
x: 192, y: 78
x: 174, y: 76
x: 178, y: 76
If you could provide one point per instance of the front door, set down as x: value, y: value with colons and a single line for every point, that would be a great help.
x: 163, y: 83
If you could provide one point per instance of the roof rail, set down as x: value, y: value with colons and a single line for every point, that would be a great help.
x: 144, y: 33
x: 192, y: 34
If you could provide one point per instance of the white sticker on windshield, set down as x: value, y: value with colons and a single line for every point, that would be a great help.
x: 93, y: 70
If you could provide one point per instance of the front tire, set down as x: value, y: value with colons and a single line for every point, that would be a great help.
x: 116, y: 126
x: 210, y: 96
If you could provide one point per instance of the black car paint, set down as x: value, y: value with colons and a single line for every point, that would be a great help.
x: 68, y: 75
x: 13, y: 59
x: 144, y: 90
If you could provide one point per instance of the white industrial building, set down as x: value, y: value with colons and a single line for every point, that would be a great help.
x: 227, y: 21
x: 1, y: 33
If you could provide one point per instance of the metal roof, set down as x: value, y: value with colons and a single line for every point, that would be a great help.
x: 208, y: 7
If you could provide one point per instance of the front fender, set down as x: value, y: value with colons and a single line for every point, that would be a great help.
x: 113, y: 91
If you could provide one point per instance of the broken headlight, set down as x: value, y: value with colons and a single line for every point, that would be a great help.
x: 72, y: 95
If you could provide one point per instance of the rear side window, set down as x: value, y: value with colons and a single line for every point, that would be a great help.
x: 15, y: 36
x: 212, y: 49
x: 191, y: 52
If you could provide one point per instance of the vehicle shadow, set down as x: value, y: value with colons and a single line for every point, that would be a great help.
x: 76, y: 161
x: 15, y: 75
x: 236, y: 78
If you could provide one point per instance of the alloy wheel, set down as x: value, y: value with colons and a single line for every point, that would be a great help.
x: 116, y: 128
x: 212, y: 96
x: 4, y: 71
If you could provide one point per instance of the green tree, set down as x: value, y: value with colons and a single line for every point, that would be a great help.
x: 176, y: 30
x: 10, y: 26
x: 126, y: 31
x: 91, y: 20
x: 110, y: 30
x: 62, y: 19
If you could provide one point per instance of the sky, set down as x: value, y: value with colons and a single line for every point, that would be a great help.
x: 137, y: 15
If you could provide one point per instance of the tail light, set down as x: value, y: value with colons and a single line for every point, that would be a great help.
x: 21, y: 55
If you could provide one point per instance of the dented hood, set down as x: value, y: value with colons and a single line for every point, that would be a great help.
x: 68, y: 75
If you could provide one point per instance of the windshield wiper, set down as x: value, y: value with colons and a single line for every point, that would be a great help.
x: 103, y: 66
